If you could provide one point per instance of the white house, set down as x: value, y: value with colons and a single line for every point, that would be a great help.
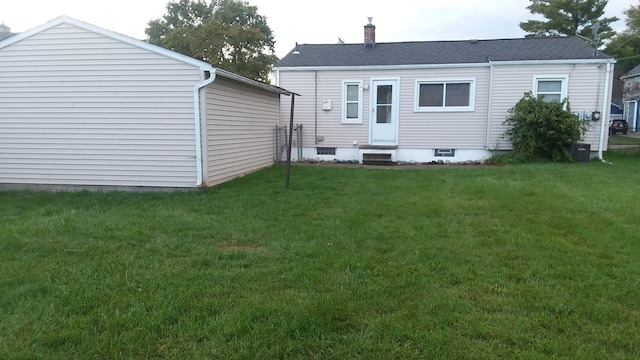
x: 436, y: 100
x: 84, y: 106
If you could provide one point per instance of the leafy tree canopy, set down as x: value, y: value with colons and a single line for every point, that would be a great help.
x: 228, y: 33
x: 626, y: 45
x: 568, y: 17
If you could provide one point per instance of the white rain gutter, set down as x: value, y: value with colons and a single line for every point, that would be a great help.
x: 604, y: 115
x: 440, y: 66
x: 245, y: 80
x: 197, y: 119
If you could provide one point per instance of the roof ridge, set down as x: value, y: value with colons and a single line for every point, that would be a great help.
x: 445, y: 41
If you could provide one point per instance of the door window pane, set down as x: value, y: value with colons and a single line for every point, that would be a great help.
x: 384, y: 94
x: 383, y: 114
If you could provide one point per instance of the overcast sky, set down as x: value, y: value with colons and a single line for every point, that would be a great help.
x: 312, y: 22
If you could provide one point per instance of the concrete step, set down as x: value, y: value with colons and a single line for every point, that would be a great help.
x: 379, y: 159
x: 378, y: 147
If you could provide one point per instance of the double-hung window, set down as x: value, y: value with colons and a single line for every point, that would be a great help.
x: 550, y: 88
x: 445, y: 95
x: 351, y: 102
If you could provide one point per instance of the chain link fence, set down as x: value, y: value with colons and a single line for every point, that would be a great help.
x: 282, y: 138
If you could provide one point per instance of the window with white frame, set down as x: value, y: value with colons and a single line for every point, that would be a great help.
x: 352, y: 102
x: 445, y: 95
x: 550, y: 88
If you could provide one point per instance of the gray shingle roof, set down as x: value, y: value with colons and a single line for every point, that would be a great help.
x: 633, y: 72
x: 440, y: 52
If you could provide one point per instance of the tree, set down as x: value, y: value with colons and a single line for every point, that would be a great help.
x: 568, y: 17
x: 228, y: 33
x: 625, y: 46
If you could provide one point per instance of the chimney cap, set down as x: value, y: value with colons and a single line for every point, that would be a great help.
x: 369, y: 18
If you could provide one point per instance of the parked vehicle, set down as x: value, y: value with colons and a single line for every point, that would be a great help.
x: 616, y: 126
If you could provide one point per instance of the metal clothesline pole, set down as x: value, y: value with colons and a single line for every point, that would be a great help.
x: 293, y: 98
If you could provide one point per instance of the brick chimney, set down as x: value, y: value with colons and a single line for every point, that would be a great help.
x: 369, y: 34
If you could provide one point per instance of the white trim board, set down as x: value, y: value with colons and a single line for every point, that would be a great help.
x: 444, y: 66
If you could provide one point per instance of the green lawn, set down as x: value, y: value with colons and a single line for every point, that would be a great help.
x: 624, y: 140
x: 520, y: 261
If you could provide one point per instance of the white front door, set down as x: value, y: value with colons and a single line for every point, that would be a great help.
x: 631, y: 113
x: 384, y: 112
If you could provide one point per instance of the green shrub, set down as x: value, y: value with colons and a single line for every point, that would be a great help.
x: 542, y: 130
x: 500, y: 158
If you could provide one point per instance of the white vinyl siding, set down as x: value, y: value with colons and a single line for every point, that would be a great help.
x: 584, y: 86
x: 418, y: 130
x: 79, y: 108
x: 352, y: 102
x: 439, y: 95
x: 438, y: 130
x: 308, y: 108
x: 240, y: 130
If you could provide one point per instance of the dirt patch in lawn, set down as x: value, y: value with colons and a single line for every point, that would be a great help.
x: 236, y: 248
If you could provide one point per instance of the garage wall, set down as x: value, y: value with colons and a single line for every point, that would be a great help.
x: 80, y: 108
x: 240, y: 134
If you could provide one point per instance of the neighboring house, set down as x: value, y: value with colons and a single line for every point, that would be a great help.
x: 617, y: 112
x: 631, y: 97
x: 85, y: 106
x: 436, y: 100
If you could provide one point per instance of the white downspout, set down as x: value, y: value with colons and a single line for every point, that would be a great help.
x: 489, y: 105
x: 197, y: 124
x: 604, y: 115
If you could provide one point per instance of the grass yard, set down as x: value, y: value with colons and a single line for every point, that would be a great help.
x: 624, y: 140
x: 520, y: 261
